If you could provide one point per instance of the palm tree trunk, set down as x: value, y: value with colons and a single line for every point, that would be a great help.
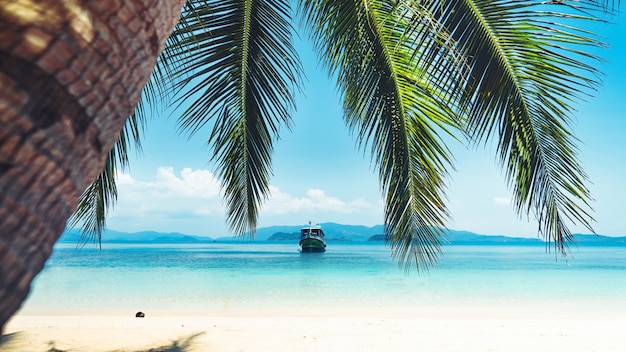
x: 71, y: 71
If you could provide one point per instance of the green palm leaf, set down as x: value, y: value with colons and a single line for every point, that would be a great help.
x: 395, y: 110
x: 526, y: 67
x: 238, y: 70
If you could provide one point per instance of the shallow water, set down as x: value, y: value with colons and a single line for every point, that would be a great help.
x: 231, y: 278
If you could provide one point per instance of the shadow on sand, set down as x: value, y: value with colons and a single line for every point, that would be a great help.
x: 19, y: 342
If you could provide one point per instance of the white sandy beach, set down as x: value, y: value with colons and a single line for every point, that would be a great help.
x: 336, y: 330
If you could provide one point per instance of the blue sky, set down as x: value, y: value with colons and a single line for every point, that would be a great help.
x: 320, y: 175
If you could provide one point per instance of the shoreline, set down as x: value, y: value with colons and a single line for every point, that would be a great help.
x: 374, y: 330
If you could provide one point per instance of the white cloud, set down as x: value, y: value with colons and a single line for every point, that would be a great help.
x: 502, y: 201
x: 190, y: 192
x: 315, y: 200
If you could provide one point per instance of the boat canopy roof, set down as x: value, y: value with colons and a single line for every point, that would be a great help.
x: 312, y: 230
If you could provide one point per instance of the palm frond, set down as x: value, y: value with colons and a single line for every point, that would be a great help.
x: 238, y: 70
x: 94, y: 203
x: 394, y: 110
x: 527, y: 67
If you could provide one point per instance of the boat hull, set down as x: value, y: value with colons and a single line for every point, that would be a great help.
x: 311, y: 245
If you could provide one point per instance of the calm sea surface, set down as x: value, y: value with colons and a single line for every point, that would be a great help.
x: 238, y: 277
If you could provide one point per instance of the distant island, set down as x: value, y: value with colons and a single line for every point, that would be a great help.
x: 333, y: 231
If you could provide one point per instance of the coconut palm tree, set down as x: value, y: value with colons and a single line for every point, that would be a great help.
x: 411, y: 73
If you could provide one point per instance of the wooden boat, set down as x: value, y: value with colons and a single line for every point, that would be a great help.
x: 312, y: 239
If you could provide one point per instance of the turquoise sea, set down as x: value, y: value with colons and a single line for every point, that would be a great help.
x: 239, y: 278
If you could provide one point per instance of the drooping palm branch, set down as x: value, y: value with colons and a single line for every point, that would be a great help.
x: 527, y: 66
x: 237, y: 69
x: 392, y: 108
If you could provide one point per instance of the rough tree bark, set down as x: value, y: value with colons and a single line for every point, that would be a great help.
x: 71, y: 72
